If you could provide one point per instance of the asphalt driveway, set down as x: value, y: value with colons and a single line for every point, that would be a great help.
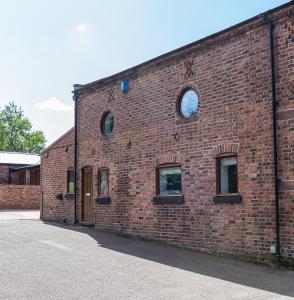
x: 52, y: 261
x: 20, y: 214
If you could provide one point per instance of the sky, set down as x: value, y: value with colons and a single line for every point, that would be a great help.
x: 49, y: 45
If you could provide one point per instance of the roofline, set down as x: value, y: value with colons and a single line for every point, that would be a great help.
x: 80, y: 87
x: 14, y: 164
x: 25, y: 167
x: 56, y: 141
x: 24, y: 153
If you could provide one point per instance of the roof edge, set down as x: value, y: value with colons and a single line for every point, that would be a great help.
x: 23, y: 153
x: 56, y: 141
x: 26, y: 167
x: 81, y: 87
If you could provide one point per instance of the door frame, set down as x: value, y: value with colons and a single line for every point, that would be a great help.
x: 84, y: 169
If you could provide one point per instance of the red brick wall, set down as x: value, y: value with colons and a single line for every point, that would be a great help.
x: 20, y: 197
x: 285, y: 89
x: 55, y: 163
x: 231, y: 73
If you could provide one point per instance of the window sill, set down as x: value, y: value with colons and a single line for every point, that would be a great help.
x: 106, y: 137
x: 103, y: 200
x: 227, y: 198
x: 178, y: 199
x: 59, y: 196
x: 69, y: 196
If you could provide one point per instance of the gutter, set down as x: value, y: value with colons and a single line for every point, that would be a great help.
x: 271, y: 26
x: 25, y: 167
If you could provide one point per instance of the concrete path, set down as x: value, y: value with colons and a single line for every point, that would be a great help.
x: 51, y: 261
x: 19, y: 215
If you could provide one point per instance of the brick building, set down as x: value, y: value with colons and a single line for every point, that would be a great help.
x: 19, y: 181
x: 57, y: 169
x: 190, y: 148
x: 19, y: 168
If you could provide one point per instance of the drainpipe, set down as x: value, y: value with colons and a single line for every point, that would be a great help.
x: 42, y: 204
x: 75, y: 98
x: 275, y: 139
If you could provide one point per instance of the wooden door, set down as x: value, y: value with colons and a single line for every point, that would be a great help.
x: 87, y: 195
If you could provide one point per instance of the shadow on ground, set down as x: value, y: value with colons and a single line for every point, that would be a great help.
x: 246, y: 274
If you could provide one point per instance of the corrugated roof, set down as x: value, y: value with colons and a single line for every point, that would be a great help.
x: 16, y: 158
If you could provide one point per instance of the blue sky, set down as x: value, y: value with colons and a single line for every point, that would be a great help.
x: 48, y: 45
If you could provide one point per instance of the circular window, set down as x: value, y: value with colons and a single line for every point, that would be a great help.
x: 107, y: 123
x: 188, y: 104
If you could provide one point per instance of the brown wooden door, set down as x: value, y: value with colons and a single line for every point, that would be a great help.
x: 87, y: 195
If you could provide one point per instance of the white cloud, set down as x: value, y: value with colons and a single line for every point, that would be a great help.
x: 54, y: 104
x: 81, y: 28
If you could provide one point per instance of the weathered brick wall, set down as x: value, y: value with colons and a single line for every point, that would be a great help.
x: 231, y: 73
x: 232, y: 76
x: 285, y: 96
x: 55, y: 163
x: 20, y: 196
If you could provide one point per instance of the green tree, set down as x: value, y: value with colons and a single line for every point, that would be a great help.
x: 16, y: 132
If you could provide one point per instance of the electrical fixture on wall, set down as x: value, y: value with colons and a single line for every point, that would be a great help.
x: 124, y: 86
x: 177, y: 136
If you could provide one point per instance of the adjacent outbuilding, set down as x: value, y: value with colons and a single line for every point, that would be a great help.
x: 19, y: 181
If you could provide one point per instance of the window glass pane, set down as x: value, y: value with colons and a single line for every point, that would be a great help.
x: 71, y: 181
x: 108, y: 124
x: 189, y: 103
x: 170, y: 181
x: 228, y: 175
x: 71, y: 187
x: 103, y: 184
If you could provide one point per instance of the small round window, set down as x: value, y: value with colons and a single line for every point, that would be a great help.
x: 188, y: 104
x: 107, y: 123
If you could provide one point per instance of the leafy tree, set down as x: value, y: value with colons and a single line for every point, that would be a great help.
x: 16, y: 132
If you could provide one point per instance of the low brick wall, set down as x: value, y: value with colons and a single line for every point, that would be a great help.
x: 20, y: 196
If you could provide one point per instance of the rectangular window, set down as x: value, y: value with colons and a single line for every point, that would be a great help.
x: 169, y: 180
x: 70, y: 181
x: 103, y: 182
x: 227, y: 177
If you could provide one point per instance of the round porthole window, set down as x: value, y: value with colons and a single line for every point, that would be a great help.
x: 107, y: 123
x: 188, y: 104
